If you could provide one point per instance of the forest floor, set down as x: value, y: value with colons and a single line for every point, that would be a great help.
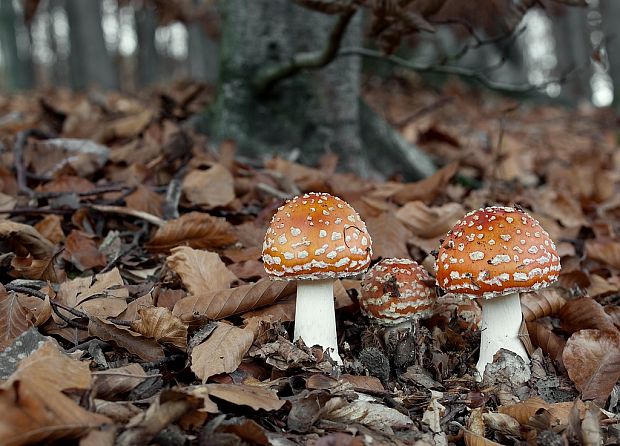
x: 134, y: 308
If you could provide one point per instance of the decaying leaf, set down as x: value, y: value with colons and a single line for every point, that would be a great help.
x: 524, y: 410
x: 426, y: 221
x: 102, y: 295
x: 53, y: 368
x: 17, y: 313
x: 50, y: 227
x: 210, y: 188
x: 550, y: 343
x: 585, y: 313
x: 197, y: 230
x: 201, y: 271
x: 222, y: 303
x: 389, y: 236
x: 376, y: 416
x: 82, y: 251
x: 592, y: 359
x: 605, y: 251
x: 23, y: 239
x: 160, y: 324
x: 222, y: 352
x: 427, y: 189
x: 146, y: 348
x: 145, y: 200
x: 252, y: 396
x: 117, y: 381
x: 541, y: 303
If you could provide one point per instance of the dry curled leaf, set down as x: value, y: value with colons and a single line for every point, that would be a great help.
x: 524, y: 410
x: 222, y: 352
x: 427, y: 221
x: 550, y: 343
x: 242, y: 395
x: 23, y: 239
x: 389, y: 236
x: 223, y: 303
x: 82, y: 251
x: 592, y: 360
x: 375, y: 416
x: 428, y: 188
x: 146, y: 348
x: 201, y: 271
x: 145, y: 200
x: 17, y: 313
x: 197, y: 230
x: 160, y: 324
x: 604, y: 250
x: 583, y: 313
x: 50, y: 227
x: 209, y: 188
x: 540, y: 304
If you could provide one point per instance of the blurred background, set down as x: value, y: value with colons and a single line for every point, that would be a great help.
x: 572, y: 53
x: 281, y: 75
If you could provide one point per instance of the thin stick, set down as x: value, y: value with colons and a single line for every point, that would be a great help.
x: 152, y: 219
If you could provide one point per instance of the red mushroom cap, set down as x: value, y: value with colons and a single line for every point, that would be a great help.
x: 494, y: 251
x: 396, y: 290
x: 316, y: 236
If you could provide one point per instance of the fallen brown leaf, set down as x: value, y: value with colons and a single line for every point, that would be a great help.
x: 550, y: 343
x: 23, y: 239
x: 159, y: 323
x: 223, y: 303
x: 592, y: 359
x: 389, y: 236
x: 50, y: 227
x: 209, y: 188
x: 606, y: 251
x: 428, y: 188
x: 145, y: 200
x: 197, y: 230
x: 540, y: 304
x: 201, y: 271
x: 243, y: 395
x: 104, y: 295
x: 82, y: 251
x: 116, y: 381
x: 36, y: 269
x: 17, y: 313
x: 146, y: 348
x: 582, y: 313
x: 523, y: 411
x: 426, y: 221
x: 222, y: 352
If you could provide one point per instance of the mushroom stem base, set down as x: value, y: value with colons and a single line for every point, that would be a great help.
x: 501, y: 321
x: 315, y: 317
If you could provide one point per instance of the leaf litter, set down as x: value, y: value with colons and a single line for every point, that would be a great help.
x: 134, y: 308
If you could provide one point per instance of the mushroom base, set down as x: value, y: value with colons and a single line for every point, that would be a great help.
x: 315, y: 317
x: 501, y: 321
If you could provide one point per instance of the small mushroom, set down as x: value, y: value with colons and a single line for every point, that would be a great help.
x: 494, y: 254
x: 396, y: 292
x: 315, y: 239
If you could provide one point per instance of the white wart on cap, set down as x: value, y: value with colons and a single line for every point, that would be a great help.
x: 316, y: 236
x: 494, y: 251
x: 397, y: 290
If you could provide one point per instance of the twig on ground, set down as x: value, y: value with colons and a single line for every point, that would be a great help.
x: 173, y: 196
x: 152, y: 219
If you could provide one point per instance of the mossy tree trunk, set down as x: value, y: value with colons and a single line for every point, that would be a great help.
x: 314, y: 111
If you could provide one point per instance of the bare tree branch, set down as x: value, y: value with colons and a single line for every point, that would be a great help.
x: 453, y: 69
x: 269, y: 76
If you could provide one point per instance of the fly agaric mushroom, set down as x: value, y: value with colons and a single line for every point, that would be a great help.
x: 315, y: 239
x: 494, y: 254
x: 397, y: 291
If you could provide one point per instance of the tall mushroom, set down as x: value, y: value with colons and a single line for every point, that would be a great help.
x: 315, y: 239
x: 494, y: 254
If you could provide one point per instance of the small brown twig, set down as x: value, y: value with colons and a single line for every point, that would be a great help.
x: 152, y: 219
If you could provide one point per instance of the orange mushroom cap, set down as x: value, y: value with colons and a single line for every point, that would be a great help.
x: 316, y: 236
x: 494, y: 251
x: 396, y: 290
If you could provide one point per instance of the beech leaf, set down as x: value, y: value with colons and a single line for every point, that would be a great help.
x: 540, y: 304
x: 25, y: 239
x: 211, y: 188
x: 583, y: 313
x: 197, y: 230
x: 242, y: 395
x: 201, y: 271
x: 145, y: 348
x: 222, y: 352
x: 160, y: 324
x: 550, y: 343
x: 592, y: 360
x: 223, y: 303
x: 426, y: 221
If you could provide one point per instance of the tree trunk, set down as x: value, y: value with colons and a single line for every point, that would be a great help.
x: 203, y: 53
x: 148, y: 57
x: 314, y: 110
x: 610, y: 10
x: 89, y: 61
x: 573, y: 50
x: 18, y: 66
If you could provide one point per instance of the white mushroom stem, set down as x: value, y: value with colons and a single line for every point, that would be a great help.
x: 315, y: 317
x: 501, y: 320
